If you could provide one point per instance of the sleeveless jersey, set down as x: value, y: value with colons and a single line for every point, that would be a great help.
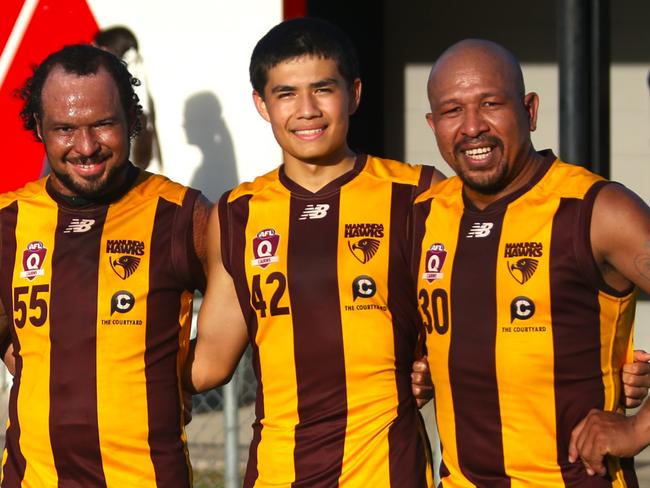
x: 323, y: 281
x: 99, y: 301
x: 524, y: 335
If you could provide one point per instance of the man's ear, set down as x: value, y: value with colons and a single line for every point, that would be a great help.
x: 355, y: 96
x: 260, y: 105
x: 430, y: 121
x: 39, y: 129
x: 531, y: 104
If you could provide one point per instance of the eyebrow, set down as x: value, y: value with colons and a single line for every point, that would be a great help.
x: 317, y: 84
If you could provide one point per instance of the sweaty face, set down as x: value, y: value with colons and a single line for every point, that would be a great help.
x: 85, y: 132
x: 308, y: 104
x: 481, y: 122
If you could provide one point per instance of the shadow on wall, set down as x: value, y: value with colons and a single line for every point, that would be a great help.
x: 205, y: 128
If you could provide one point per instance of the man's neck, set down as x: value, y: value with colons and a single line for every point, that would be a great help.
x: 316, y: 175
x: 523, y: 177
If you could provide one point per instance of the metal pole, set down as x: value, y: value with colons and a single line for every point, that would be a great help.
x: 600, y: 110
x: 574, y: 70
x: 231, y: 426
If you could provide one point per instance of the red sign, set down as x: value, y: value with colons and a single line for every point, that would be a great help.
x: 29, y: 31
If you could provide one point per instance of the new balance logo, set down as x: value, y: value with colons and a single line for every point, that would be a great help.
x: 79, y: 225
x: 315, y: 211
x: 480, y: 229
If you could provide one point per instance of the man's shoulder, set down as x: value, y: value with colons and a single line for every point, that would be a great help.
x: 393, y: 170
x: 568, y: 180
x: 153, y: 186
x: 446, y: 189
x: 31, y: 190
x: 258, y: 185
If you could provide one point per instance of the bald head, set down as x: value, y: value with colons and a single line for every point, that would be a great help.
x: 481, y: 117
x: 482, y: 56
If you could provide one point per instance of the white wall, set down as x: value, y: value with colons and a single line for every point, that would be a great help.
x: 197, y: 51
x: 630, y: 132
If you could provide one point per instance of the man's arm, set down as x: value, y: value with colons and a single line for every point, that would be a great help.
x: 620, y: 240
x: 221, y: 331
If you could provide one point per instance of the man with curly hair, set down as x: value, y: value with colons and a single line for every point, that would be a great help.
x: 100, y: 262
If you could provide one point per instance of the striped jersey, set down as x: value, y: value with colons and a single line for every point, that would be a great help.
x: 524, y: 335
x: 99, y: 300
x: 324, y: 284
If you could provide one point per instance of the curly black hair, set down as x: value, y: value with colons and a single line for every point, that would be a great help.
x: 82, y: 60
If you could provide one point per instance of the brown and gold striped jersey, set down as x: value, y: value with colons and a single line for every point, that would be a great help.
x: 323, y: 281
x: 524, y: 335
x: 99, y: 299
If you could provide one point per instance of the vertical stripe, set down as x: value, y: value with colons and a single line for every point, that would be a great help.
x: 317, y: 327
x: 419, y: 219
x: 74, y: 429
x: 13, y: 468
x: 407, y: 458
x: 121, y: 333
x: 524, y: 349
x: 233, y: 246
x: 472, y: 369
x: 576, y: 342
x: 163, y: 397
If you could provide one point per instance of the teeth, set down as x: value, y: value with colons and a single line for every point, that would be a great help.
x: 479, y: 153
x: 309, y: 132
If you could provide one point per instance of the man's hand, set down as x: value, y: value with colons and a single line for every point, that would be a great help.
x: 421, y: 382
x: 636, y: 379
x: 604, y: 433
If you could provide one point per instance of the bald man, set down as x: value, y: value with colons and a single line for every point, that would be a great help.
x: 526, y: 281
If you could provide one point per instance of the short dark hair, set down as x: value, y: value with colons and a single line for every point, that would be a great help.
x: 82, y: 60
x: 304, y: 36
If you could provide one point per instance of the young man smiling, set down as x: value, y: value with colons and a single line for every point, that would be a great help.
x: 310, y: 261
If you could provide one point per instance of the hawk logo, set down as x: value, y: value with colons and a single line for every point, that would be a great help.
x: 265, y: 246
x: 480, y: 229
x: 364, y: 249
x: 79, y: 225
x: 523, y: 269
x: 126, y: 265
x: 434, y: 261
x: 33, y: 258
x: 315, y: 211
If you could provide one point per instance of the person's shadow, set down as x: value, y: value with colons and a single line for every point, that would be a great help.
x: 205, y: 128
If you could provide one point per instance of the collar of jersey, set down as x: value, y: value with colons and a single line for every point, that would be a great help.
x: 82, y: 202
x: 332, y: 186
x: 548, y: 159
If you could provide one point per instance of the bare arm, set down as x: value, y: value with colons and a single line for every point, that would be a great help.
x: 222, y: 336
x: 620, y: 239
